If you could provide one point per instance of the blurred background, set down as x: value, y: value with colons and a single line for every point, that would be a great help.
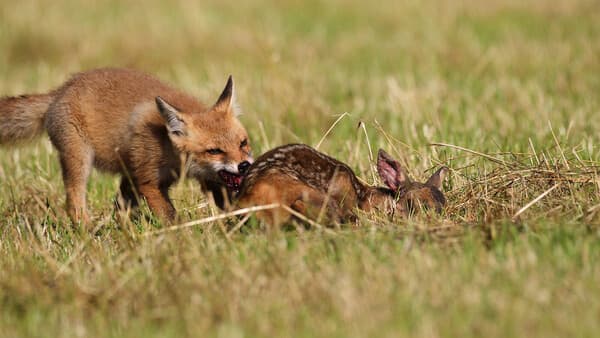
x: 485, y: 74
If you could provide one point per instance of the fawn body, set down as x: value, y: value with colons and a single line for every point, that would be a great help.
x: 311, y: 182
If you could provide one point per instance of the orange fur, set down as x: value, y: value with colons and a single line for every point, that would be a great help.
x: 128, y: 122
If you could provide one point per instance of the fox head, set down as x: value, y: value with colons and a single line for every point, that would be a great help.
x: 405, y: 195
x: 214, y: 140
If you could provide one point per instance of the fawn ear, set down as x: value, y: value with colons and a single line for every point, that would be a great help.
x: 390, y: 171
x: 226, y: 101
x: 172, y: 116
x: 438, y: 177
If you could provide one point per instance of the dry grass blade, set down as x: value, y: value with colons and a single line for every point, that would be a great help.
x: 213, y: 218
x: 562, y: 153
x: 308, y: 220
x: 330, y: 129
x: 263, y: 134
x: 489, y: 157
x: 76, y: 253
x: 594, y: 208
x: 371, y: 167
x: 494, y: 192
x: 534, y: 201
x: 238, y: 225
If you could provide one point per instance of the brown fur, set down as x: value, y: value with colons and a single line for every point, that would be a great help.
x: 311, y: 182
x: 128, y: 122
x: 23, y: 117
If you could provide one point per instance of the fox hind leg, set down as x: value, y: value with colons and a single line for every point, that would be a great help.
x: 76, y: 157
x: 76, y: 162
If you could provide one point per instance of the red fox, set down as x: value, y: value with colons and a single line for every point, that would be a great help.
x: 306, y: 180
x: 128, y: 122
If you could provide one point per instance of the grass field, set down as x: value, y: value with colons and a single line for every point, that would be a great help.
x: 505, y: 93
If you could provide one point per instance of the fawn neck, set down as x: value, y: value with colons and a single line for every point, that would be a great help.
x: 375, y: 197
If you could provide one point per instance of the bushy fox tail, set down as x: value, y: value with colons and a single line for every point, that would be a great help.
x: 22, y: 117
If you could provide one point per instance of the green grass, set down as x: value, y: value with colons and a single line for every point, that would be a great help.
x: 514, y: 83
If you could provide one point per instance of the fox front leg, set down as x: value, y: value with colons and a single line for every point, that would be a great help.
x: 158, y: 200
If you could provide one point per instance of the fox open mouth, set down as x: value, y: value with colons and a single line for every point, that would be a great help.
x: 233, y: 181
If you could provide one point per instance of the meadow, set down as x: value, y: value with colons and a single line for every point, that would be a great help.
x: 505, y: 93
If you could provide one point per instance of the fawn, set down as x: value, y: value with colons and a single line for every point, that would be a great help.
x: 311, y: 183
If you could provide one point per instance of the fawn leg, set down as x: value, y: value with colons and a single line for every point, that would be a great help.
x: 312, y: 202
x: 264, y: 193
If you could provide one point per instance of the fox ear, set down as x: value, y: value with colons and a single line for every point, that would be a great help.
x: 174, y: 123
x: 438, y: 177
x: 226, y: 101
x: 390, y: 171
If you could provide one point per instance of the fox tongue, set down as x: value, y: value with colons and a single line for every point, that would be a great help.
x: 233, y: 181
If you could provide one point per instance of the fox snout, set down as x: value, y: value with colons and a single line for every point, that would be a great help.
x: 244, y: 166
x: 232, y: 174
x: 232, y: 167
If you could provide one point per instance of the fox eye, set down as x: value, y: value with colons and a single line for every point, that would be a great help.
x: 215, y: 151
x: 244, y: 143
